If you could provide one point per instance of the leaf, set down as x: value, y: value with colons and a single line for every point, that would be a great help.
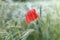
x: 15, y: 23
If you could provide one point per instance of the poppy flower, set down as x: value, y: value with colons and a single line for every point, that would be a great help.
x: 31, y: 15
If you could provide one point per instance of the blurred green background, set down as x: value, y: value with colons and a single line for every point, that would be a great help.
x: 13, y: 25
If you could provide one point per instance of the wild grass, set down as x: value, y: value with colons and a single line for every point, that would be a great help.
x: 13, y: 25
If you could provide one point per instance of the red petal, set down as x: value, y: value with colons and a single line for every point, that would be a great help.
x: 31, y: 15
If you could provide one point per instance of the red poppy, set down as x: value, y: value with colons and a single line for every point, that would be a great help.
x: 31, y: 15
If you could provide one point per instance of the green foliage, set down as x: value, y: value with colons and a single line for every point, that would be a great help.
x: 14, y: 27
x: 20, y: 0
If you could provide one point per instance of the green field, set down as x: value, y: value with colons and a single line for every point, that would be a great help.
x: 13, y: 25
